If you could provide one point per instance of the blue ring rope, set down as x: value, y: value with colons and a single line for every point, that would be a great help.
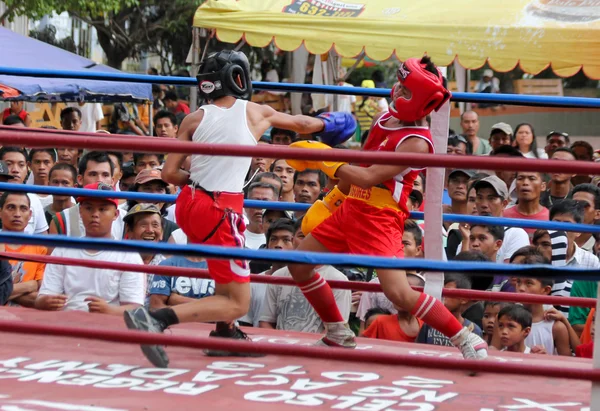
x: 347, y: 260
x: 512, y: 99
x: 275, y: 205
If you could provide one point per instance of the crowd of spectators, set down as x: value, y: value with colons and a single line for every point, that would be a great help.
x: 527, y: 328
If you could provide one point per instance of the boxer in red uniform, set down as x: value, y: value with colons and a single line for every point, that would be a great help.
x: 209, y: 207
x: 370, y: 218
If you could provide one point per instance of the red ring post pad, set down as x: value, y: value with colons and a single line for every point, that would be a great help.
x: 38, y: 139
x: 226, y: 253
x: 264, y: 279
x: 280, y: 205
x: 48, y: 371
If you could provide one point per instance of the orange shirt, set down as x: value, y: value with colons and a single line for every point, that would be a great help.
x: 387, y: 327
x: 23, y: 271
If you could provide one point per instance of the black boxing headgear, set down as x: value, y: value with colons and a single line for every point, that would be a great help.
x: 220, y: 72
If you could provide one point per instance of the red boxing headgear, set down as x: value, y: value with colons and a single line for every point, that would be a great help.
x: 428, y: 91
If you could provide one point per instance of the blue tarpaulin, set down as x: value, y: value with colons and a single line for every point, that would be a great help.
x: 26, y: 52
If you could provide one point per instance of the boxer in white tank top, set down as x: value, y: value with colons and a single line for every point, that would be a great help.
x: 209, y: 207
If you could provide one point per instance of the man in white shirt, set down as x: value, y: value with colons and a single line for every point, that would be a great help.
x: 92, y: 289
x: 286, y: 308
x: 91, y: 116
x: 16, y: 162
x: 94, y: 167
x: 255, y: 234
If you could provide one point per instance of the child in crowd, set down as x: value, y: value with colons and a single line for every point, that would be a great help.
x: 490, y: 319
x: 587, y: 350
x: 403, y: 326
x: 514, y: 326
x: 372, y: 314
x: 456, y: 306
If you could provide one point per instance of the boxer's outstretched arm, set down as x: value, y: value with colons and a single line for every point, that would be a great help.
x: 366, y: 177
x: 299, y: 123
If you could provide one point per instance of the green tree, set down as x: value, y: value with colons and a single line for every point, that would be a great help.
x: 126, y: 28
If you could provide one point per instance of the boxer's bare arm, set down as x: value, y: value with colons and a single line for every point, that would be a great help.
x: 366, y: 177
x: 261, y: 117
x: 172, y: 172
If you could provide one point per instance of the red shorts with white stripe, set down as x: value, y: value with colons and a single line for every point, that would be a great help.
x: 359, y: 228
x: 211, y: 221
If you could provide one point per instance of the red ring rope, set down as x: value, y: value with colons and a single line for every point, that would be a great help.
x: 266, y: 279
x: 21, y: 137
x: 330, y: 353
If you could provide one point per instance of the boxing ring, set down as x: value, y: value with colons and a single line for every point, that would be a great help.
x: 82, y: 361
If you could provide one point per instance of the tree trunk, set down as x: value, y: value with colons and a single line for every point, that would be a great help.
x: 114, y: 55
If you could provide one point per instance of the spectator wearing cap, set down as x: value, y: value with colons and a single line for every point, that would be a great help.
x: 15, y: 212
x: 560, y: 183
x: 279, y: 236
x: 469, y: 122
x: 15, y: 160
x: 143, y: 223
x: 488, y: 83
x: 95, y: 290
x: 501, y: 135
x: 530, y: 186
x: 458, y: 145
x: 308, y: 186
x: 458, y: 181
x: 555, y: 140
x: 94, y: 167
x: 149, y: 181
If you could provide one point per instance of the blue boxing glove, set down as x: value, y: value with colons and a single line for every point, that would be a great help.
x: 338, y: 127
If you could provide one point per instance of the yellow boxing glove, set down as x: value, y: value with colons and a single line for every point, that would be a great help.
x: 328, y: 167
x: 321, y: 209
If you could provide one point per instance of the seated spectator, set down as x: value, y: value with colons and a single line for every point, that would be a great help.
x: 15, y: 212
x: 165, y: 124
x: 556, y: 140
x: 514, y: 327
x: 168, y: 291
x: 428, y: 334
x: 41, y: 160
x: 280, y: 236
x: 286, y: 308
x: 286, y: 173
x: 93, y: 289
x: 125, y: 119
x: 560, y: 183
x: 254, y: 234
x: 16, y: 110
x: 61, y: 175
x: 490, y: 319
x: 175, y: 106
x: 366, y: 108
x: 488, y: 84
x: 588, y: 195
x: 552, y: 335
x: 146, y: 161
x: 95, y: 167
x: 282, y: 137
x: 402, y: 326
x: 149, y: 181
x: 412, y: 240
x: 15, y: 159
x: 13, y: 121
x: 469, y: 122
x: 308, y: 186
x: 501, y: 135
x: 91, y: 115
x: 525, y: 142
x: 458, y: 145
x: 70, y: 118
x: 529, y: 189
x: 583, y: 151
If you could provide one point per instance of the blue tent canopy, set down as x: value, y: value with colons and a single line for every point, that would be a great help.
x: 26, y: 52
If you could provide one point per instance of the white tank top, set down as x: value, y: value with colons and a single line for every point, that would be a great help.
x: 541, y: 334
x: 222, y: 126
